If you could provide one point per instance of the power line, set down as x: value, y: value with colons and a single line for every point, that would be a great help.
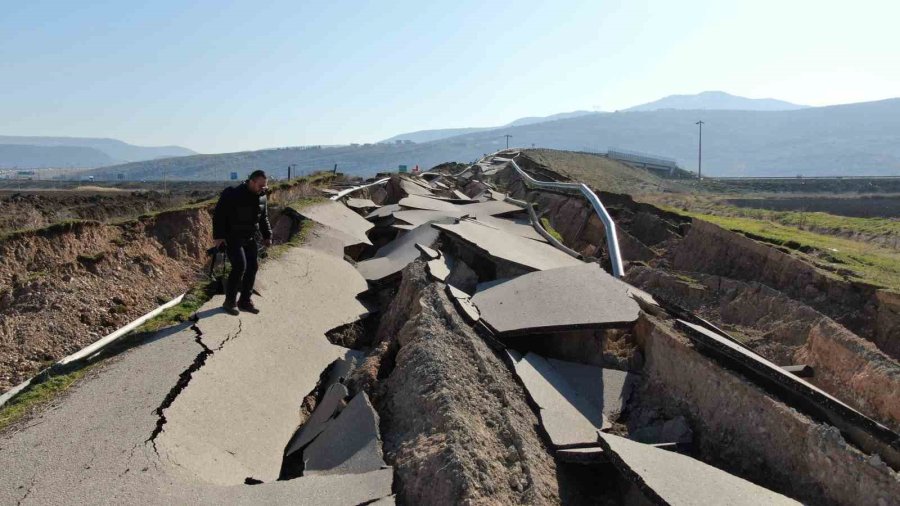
x: 700, y: 152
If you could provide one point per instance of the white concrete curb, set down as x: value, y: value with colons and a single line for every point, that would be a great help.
x: 93, y: 348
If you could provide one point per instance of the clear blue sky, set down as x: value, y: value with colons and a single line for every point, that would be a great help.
x: 223, y: 75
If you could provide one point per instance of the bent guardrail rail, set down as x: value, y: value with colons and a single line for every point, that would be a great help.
x: 612, y: 239
x: 348, y: 191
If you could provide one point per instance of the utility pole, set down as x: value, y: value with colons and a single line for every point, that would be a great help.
x: 700, y: 152
x: 507, y: 140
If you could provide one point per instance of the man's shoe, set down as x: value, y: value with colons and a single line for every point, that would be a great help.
x: 246, y: 305
x: 230, y: 308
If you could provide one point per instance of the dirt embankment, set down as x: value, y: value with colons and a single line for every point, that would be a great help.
x: 64, y: 286
x: 455, y: 424
x: 786, y: 309
x: 31, y: 210
x: 865, y: 309
x: 740, y: 428
x: 787, y: 332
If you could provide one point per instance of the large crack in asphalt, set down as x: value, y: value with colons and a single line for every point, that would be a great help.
x: 185, y: 378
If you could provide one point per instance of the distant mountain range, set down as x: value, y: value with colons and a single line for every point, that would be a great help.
x: 443, y: 133
x: 82, y: 152
x: 852, y: 139
x: 705, y: 101
x: 716, y: 100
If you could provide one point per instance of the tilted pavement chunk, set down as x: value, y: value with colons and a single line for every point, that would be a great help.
x: 355, y: 203
x: 383, y: 212
x: 578, y: 297
x: 569, y: 419
x: 421, y: 216
x: 325, y: 410
x: 412, y: 188
x: 493, y: 208
x: 520, y: 227
x: 671, y: 478
x: 422, y: 202
x: 393, y: 257
x: 607, y: 389
x: 340, y: 217
x: 500, y: 244
x: 350, y: 444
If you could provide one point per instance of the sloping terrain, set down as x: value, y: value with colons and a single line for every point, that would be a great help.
x: 432, y: 342
x: 845, y: 140
x: 61, y: 151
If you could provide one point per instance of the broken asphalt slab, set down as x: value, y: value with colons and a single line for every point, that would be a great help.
x: 569, y: 420
x: 341, y: 218
x: 430, y: 204
x: 383, y: 212
x: 608, y: 389
x: 361, y: 204
x: 393, y: 257
x: 512, y: 248
x: 349, y: 444
x: 493, y: 208
x: 422, y: 216
x: 326, y: 409
x: 581, y: 296
x: 672, y: 479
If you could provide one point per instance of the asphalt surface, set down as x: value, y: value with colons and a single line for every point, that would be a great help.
x: 231, y: 394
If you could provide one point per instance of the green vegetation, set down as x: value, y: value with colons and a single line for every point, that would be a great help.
x: 37, y: 395
x: 91, y: 258
x: 602, y: 173
x: 181, y: 312
x: 820, y: 222
x: 550, y: 230
x: 52, y: 229
x: 36, y: 275
x: 863, y: 261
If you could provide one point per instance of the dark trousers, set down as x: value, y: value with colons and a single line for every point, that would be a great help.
x: 244, y: 264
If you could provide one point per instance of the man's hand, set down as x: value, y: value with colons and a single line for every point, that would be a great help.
x: 267, y: 242
x: 218, y: 242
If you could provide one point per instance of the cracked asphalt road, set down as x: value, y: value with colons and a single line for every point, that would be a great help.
x: 188, y: 416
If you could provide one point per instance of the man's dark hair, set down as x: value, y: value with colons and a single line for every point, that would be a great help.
x: 257, y: 173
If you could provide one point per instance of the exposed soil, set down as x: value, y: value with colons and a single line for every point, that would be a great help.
x: 65, y: 286
x: 22, y: 209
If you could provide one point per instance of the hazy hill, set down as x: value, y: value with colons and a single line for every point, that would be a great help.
x: 115, y: 150
x: 38, y: 157
x: 717, y: 100
x: 860, y: 139
x: 443, y: 133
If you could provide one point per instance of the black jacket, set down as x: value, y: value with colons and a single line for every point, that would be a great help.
x: 239, y: 214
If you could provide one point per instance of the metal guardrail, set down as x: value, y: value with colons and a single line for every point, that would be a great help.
x: 348, y: 191
x: 612, y: 239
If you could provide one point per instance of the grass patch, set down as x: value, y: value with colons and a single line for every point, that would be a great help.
x: 863, y: 261
x: 37, y: 396
x: 550, y: 230
x: 198, y: 295
x: 91, y: 258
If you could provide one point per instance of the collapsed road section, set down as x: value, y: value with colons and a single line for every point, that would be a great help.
x: 615, y: 382
x: 463, y: 337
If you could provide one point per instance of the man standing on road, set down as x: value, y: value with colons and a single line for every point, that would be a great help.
x: 240, y: 213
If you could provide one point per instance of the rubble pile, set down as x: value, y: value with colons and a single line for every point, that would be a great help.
x: 506, y: 369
